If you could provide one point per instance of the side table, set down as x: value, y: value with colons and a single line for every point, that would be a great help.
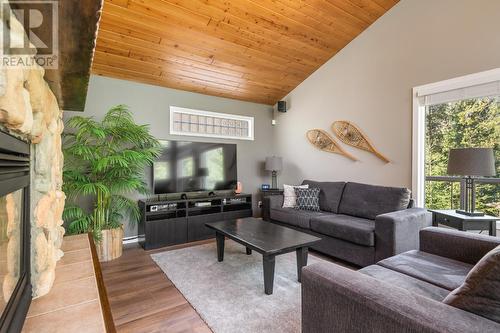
x: 266, y: 193
x: 272, y: 191
x: 462, y: 222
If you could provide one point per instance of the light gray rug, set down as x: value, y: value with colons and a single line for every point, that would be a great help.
x: 229, y: 295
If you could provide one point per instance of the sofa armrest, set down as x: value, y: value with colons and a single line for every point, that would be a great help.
x: 269, y: 202
x: 397, y: 232
x: 337, y: 299
x: 458, y: 245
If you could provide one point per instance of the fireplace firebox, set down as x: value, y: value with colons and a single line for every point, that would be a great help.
x: 15, y: 285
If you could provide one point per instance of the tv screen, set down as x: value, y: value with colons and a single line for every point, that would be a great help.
x: 194, y: 166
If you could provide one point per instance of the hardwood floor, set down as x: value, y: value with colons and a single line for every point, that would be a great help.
x: 143, y: 299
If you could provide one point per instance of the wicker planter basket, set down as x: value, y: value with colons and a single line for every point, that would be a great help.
x: 111, y: 245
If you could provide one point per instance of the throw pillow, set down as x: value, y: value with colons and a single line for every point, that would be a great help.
x: 307, y: 199
x: 289, y: 196
x: 480, y: 292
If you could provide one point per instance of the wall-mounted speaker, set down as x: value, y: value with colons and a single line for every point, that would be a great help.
x: 282, y: 106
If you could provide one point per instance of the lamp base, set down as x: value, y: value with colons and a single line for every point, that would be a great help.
x: 475, y: 213
x: 274, y: 180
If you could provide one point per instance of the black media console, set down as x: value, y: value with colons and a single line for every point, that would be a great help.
x: 171, y: 222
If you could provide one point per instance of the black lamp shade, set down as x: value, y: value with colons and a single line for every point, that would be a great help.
x: 471, y: 162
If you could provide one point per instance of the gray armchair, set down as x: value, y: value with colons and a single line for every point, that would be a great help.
x: 336, y: 299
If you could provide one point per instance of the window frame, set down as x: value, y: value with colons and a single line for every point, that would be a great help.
x: 228, y: 116
x: 418, y: 121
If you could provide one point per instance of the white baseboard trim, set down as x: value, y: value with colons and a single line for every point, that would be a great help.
x: 130, y: 240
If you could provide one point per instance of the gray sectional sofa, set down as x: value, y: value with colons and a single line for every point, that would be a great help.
x: 403, y: 293
x: 358, y: 223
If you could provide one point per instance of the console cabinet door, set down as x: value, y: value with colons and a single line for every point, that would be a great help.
x: 166, y: 232
x: 197, y: 229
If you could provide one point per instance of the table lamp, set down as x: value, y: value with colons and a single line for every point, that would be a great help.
x: 274, y: 164
x: 470, y: 163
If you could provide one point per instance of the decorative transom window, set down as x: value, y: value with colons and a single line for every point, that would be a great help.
x: 210, y: 124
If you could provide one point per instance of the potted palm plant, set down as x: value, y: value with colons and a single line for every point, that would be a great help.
x: 104, y: 161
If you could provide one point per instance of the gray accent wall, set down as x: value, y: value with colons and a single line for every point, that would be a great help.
x: 150, y: 105
x: 370, y: 83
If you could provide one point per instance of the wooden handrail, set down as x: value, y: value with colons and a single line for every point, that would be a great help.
x: 103, y: 296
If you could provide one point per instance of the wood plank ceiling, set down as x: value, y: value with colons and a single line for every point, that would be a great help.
x: 252, y: 50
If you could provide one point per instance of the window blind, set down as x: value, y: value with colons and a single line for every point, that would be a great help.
x: 476, y: 91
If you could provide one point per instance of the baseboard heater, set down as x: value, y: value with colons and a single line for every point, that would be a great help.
x: 130, y: 240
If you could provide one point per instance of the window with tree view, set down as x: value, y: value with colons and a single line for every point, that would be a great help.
x: 465, y: 123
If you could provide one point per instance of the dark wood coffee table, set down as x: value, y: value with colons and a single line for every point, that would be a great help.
x: 265, y: 238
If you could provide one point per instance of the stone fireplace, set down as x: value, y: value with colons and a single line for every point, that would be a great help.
x: 29, y: 111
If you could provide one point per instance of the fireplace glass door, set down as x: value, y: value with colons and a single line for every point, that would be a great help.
x: 15, y: 285
x: 11, y: 251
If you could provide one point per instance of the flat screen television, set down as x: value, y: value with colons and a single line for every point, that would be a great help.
x: 186, y: 166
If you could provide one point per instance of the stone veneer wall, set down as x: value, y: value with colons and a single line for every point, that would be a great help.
x: 29, y: 110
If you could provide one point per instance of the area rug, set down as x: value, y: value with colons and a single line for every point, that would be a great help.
x: 229, y: 295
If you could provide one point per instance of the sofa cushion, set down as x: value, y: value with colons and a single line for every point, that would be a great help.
x: 353, y: 229
x: 368, y: 201
x: 406, y: 282
x: 440, y: 271
x: 480, y: 293
x: 307, y: 199
x: 291, y: 216
x: 330, y: 194
x: 289, y: 196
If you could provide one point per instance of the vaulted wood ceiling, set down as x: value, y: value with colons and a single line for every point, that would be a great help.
x: 253, y: 50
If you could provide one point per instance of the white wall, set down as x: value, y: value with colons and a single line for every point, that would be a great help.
x: 150, y: 105
x: 369, y: 82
